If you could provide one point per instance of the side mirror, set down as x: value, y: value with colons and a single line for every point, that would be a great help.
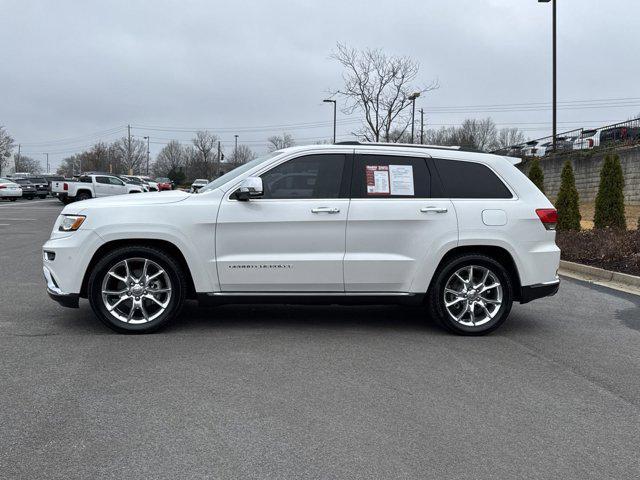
x: 251, y: 187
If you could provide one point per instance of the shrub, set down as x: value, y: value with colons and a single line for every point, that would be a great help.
x: 568, y: 201
x: 610, y: 199
x: 607, y: 248
x: 536, y: 175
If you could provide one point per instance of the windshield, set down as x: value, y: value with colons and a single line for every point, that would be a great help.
x: 236, y: 172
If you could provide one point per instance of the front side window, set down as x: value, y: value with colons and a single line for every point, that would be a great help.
x: 116, y: 181
x: 311, y: 176
x: 470, y: 180
x: 388, y: 176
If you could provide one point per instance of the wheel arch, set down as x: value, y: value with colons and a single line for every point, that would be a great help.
x: 499, y: 254
x: 84, y: 190
x: 164, y: 245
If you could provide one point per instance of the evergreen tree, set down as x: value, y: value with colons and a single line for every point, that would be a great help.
x: 610, y: 198
x: 536, y: 175
x: 567, y: 202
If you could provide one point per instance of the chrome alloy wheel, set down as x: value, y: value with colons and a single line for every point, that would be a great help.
x: 136, y: 290
x: 473, y: 295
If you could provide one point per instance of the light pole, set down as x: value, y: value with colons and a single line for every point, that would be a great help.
x: 47, y: 155
x: 555, y: 90
x: 413, y: 97
x: 235, y: 150
x: 147, y: 139
x: 334, y: 116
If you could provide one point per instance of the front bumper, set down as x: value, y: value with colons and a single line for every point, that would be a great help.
x: 65, y: 258
x: 532, y: 292
x: 70, y: 300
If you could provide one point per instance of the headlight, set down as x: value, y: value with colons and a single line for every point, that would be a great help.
x: 71, y: 223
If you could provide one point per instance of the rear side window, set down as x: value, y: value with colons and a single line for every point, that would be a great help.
x: 102, y: 180
x: 470, y: 180
x: 387, y: 176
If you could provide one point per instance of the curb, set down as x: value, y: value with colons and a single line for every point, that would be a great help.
x: 601, y: 274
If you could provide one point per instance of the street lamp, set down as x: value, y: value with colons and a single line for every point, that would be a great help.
x: 334, y: 116
x: 147, y: 139
x: 413, y: 97
x: 555, y: 110
x: 235, y: 152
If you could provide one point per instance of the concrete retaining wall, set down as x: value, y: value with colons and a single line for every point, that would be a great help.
x: 587, y: 166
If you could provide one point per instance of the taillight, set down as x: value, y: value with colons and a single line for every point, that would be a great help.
x: 3, y: 186
x: 548, y: 217
x: 590, y: 143
x: 65, y: 186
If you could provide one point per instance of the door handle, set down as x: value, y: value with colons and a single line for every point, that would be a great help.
x: 325, y: 210
x: 433, y: 209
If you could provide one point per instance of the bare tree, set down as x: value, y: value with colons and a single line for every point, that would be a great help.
x: 379, y: 86
x: 6, y: 145
x: 241, y: 155
x: 204, y: 159
x: 129, y: 155
x: 476, y: 134
x: 508, y: 137
x: 171, y: 157
x: 278, y: 142
x: 27, y: 164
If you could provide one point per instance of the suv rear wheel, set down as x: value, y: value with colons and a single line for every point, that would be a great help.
x: 471, y: 294
x: 136, y: 289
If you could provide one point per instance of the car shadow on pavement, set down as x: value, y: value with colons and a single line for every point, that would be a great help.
x: 393, y: 318
x: 332, y: 317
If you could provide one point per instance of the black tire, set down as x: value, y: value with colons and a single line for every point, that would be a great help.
x: 83, y: 196
x: 13, y: 199
x: 436, y: 293
x: 165, y: 261
x: 42, y: 197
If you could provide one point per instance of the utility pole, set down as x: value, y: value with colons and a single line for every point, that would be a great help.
x: 554, y: 62
x: 17, y: 163
x: 334, y: 117
x: 413, y: 97
x: 47, y: 155
x: 129, y: 148
x: 235, y: 152
x: 421, y: 126
x: 219, y: 158
x: 147, y: 139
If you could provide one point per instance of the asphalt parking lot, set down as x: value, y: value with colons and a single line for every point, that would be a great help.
x: 311, y: 392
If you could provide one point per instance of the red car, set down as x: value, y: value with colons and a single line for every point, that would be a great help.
x: 164, y: 184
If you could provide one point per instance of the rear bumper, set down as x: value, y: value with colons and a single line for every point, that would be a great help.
x: 6, y: 193
x: 532, y: 292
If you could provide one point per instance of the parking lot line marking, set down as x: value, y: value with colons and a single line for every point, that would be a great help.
x: 4, y: 224
x: 18, y: 219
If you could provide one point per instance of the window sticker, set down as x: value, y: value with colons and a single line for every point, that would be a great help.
x: 401, y: 179
x: 377, y: 180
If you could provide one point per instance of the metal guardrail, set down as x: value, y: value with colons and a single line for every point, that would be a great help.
x: 614, y: 135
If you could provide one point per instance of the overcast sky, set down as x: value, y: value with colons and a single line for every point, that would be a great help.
x: 72, y: 70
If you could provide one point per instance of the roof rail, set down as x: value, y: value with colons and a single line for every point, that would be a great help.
x: 411, y: 145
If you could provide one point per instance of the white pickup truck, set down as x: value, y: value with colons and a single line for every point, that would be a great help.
x: 92, y: 186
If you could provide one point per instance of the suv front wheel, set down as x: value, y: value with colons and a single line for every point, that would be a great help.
x: 136, y: 289
x: 471, y: 294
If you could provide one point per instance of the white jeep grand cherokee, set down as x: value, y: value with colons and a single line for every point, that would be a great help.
x: 464, y: 234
